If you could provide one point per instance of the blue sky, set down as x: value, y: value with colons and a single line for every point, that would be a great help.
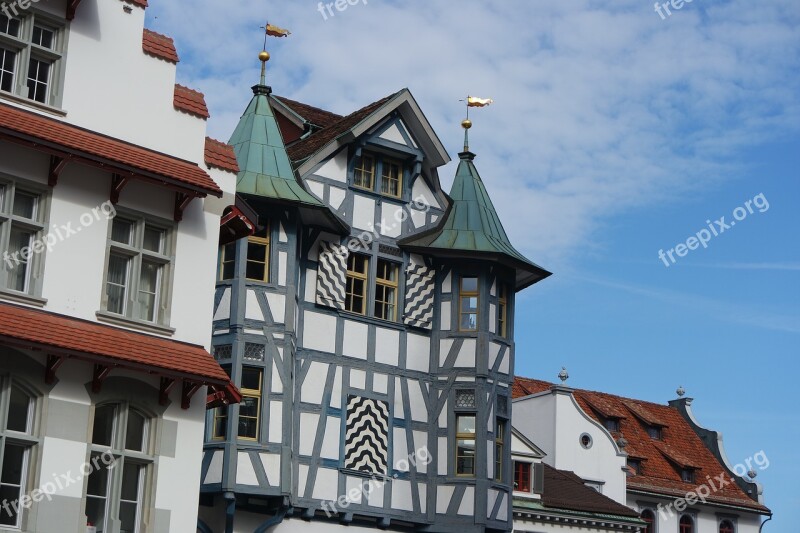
x: 614, y: 134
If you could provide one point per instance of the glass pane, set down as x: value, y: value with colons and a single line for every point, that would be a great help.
x: 256, y: 252
x: 153, y: 239
x: 248, y: 407
x: 148, y: 290
x: 251, y: 378
x: 134, y: 436
x: 469, y: 304
x: 7, y: 66
x: 96, y: 513
x: 469, y: 284
x: 18, y: 270
x: 13, y: 463
x: 19, y: 409
x: 121, y: 231
x: 25, y: 204
x: 466, y: 424
x: 38, y: 75
x: 9, y: 26
x: 248, y: 427
x: 130, y: 482
x: 469, y: 322
x: 10, y: 516
x: 43, y: 37
x: 97, y: 485
x: 103, y: 430
x: 127, y: 516
x: 116, y: 287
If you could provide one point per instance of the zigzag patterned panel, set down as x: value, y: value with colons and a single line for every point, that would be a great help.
x: 331, y: 275
x: 366, y: 444
x: 418, y: 310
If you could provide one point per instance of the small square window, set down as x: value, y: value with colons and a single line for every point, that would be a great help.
x: 121, y: 230
x: 253, y: 351
x: 364, y: 172
x: 8, y: 65
x: 223, y: 351
x: 38, y: 80
x: 44, y: 37
x: 153, y: 239
x: 9, y: 26
x: 25, y: 204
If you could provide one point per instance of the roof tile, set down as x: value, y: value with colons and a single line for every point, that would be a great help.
x: 314, y: 115
x: 158, y: 45
x: 28, y: 126
x: 220, y: 155
x: 565, y: 490
x: 190, y: 101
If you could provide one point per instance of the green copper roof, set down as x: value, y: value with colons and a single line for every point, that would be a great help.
x: 265, y: 167
x: 472, y: 226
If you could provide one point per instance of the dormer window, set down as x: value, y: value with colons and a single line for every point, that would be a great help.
x: 654, y: 432
x: 611, y: 424
x: 635, y: 465
x: 30, y: 54
x: 687, y: 475
x: 368, y: 166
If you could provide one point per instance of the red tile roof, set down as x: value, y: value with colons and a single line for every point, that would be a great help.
x: 44, y: 133
x: 679, y: 446
x: 190, y: 101
x: 62, y: 335
x: 221, y: 155
x: 314, y: 115
x: 565, y: 490
x: 307, y: 147
x: 159, y: 46
x: 140, y: 3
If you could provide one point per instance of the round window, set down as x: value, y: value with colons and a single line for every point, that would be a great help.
x: 586, y: 441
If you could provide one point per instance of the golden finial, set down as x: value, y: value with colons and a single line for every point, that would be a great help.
x: 472, y: 101
x: 466, y: 123
x: 263, y: 56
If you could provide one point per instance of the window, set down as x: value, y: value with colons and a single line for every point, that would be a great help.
x: 465, y: 445
x: 391, y: 178
x: 120, y: 438
x: 726, y: 526
x: 586, y: 441
x: 635, y: 465
x: 356, y: 290
x: 687, y: 475
x: 22, y: 222
x: 649, y: 518
x: 499, y: 436
x: 502, y: 310
x: 368, y: 166
x: 258, y: 255
x: 522, y: 476
x: 227, y: 261
x: 139, y: 260
x: 16, y: 443
x: 364, y: 172
x: 386, y: 290
x: 468, y: 306
x: 611, y: 424
x: 654, y: 432
x: 219, y: 415
x: 30, y: 55
x: 250, y: 406
x: 686, y: 524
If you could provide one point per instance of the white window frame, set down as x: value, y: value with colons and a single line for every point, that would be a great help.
x: 36, y: 225
x: 26, y: 439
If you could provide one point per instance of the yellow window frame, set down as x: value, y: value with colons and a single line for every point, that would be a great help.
x: 382, y: 279
x: 473, y: 436
x: 500, y: 431
x: 502, y: 310
x: 263, y: 241
x: 218, y: 419
x: 365, y: 170
x: 386, y: 178
x: 464, y: 294
x: 356, y: 275
x: 256, y: 395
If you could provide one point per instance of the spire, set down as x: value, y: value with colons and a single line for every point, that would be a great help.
x: 472, y: 228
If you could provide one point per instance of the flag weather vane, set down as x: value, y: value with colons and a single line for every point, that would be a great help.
x: 472, y: 101
x: 269, y: 31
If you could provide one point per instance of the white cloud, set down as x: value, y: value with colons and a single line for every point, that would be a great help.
x: 600, y: 107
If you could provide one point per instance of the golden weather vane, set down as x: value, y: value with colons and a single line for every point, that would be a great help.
x: 472, y: 101
x: 269, y: 31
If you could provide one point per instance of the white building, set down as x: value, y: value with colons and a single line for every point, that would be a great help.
x: 656, y: 459
x: 110, y: 206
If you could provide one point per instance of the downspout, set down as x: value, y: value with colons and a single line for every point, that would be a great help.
x: 274, y: 521
x: 230, y: 510
x: 764, y: 522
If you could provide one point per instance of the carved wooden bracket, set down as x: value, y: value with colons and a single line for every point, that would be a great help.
x: 189, y: 388
x: 167, y: 384
x: 182, y: 200
x: 118, y: 183
x: 57, y: 165
x: 53, y: 362
x: 100, y: 374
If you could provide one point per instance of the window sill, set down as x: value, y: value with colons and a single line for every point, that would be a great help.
x: 22, y: 298
x: 26, y: 102
x: 141, y: 325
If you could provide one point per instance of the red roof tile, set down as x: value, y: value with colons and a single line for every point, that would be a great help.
x: 314, y: 115
x: 221, y: 155
x: 307, y: 147
x: 190, y: 101
x: 565, y: 490
x: 62, y: 335
x: 140, y: 3
x: 48, y: 134
x: 678, y: 441
x: 159, y: 46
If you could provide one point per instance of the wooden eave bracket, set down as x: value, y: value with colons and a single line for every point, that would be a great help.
x: 189, y: 388
x: 167, y: 384
x: 57, y: 165
x: 118, y: 182
x: 182, y: 201
x: 53, y: 363
x: 72, y: 6
x: 100, y: 374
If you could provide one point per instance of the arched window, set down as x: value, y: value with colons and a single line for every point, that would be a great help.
x: 16, y: 442
x: 649, y: 518
x: 686, y: 524
x: 120, y: 438
x: 726, y: 526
